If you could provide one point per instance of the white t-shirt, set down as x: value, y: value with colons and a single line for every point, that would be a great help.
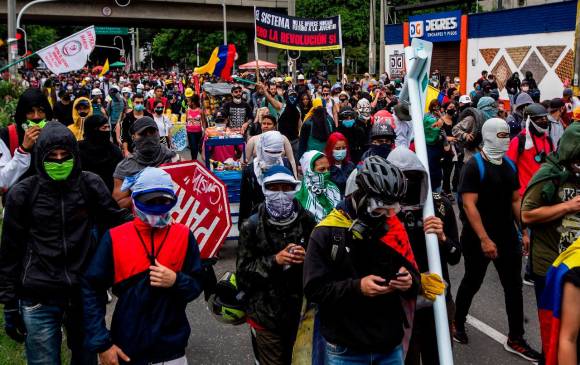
x: 163, y: 124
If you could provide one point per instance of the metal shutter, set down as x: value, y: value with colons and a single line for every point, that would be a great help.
x: 446, y: 59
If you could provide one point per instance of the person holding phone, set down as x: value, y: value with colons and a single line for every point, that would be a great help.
x: 360, y: 270
x: 271, y: 253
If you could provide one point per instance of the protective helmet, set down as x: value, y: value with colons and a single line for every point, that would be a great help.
x: 346, y: 112
x: 381, y: 180
x: 382, y: 130
x: 188, y: 92
x: 535, y: 110
x: 226, y: 303
x: 96, y: 92
x: 125, y: 90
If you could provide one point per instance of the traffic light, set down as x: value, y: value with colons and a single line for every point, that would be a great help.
x: 21, y: 41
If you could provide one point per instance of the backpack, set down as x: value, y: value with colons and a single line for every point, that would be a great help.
x: 481, y: 168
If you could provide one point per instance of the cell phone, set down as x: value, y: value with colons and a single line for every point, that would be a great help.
x: 394, y: 276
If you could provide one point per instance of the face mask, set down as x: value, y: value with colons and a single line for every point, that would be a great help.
x: 317, y: 182
x: 156, y: 221
x: 139, y: 107
x: 292, y: 99
x: 59, y: 171
x: 159, y: 111
x: 101, y: 136
x: 539, y: 128
x: 381, y: 150
x: 451, y: 112
x: 339, y: 155
x: 495, y: 147
x: 148, y: 146
x: 83, y: 114
x: 348, y: 123
x: 269, y: 159
x: 279, y: 204
x: 36, y: 123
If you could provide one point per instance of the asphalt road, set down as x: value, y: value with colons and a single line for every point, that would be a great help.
x: 213, y: 343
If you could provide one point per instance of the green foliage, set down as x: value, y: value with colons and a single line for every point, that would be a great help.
x: 39, y: 36
x: 179, y: 45
x: 9, y: 94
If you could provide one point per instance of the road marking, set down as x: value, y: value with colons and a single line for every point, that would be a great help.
x: 487, y: 330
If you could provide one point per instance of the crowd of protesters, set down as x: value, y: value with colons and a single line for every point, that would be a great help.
x: 330, y: 214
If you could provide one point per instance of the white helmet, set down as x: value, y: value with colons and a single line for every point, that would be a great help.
x: 96, y: 92
x: 125, y: 90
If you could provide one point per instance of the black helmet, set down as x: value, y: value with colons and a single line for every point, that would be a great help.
x: 535, y: 111
x: 381, y: 180
x: 382, y: 130
x: 226, y: 303
x: 346, y: 112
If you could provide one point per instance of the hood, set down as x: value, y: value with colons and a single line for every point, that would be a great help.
x: 30, y: 98
x: 75, y: 114
x: 307, y: 161
x: 56, y: 135
x: 523, y: 98
x: 569, y: 148
x: 406, y: 160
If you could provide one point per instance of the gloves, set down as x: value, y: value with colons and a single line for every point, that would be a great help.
x: 13, y: 323
x: 432, y: 285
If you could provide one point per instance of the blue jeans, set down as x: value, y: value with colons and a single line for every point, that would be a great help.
x: 44, y: 325
x: 340, y: 355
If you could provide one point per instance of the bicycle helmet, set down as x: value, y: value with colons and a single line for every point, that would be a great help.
x: 381, y: 180
x: 226, y: 303
x: 346, y: 112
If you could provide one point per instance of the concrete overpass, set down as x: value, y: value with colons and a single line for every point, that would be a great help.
x: 144, y: 13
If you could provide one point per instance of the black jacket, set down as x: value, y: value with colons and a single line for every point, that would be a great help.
x: 449, y: 251
x: 274, y: 294
x: 357, y: 137
x: 50, y: 227
x: 100, y: 158
x: 347, y: 317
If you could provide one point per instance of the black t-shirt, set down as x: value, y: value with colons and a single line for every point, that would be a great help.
x: 237, y: 114
x: 63, y: 113
x: 126, y: 128
x: 494, y: 202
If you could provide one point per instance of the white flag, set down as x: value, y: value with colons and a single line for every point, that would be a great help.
x: 71, y: 53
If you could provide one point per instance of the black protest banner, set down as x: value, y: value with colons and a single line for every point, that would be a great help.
x: 288, y: 32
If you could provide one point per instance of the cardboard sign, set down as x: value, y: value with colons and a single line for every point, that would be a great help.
x: 202, y: 205
x: 288, y: 32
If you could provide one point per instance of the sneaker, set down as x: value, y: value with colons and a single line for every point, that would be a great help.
x: 520, y: 347
x: 459, y: 334
x: 528, y: 280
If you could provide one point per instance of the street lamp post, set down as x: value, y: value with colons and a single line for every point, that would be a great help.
x: 225, y: 23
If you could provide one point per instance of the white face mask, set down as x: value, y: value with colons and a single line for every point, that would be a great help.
x: 495, y: 147
x: 279, y: 204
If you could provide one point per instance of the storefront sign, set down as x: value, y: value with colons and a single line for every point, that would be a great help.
x: 287, y: 32
x: 396, y: 65
x: 438, y: 27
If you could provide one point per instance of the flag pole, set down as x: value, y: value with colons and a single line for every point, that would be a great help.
x: 17, y: 62
x: 256, y: 48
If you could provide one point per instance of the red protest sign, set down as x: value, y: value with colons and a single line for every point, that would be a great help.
x: 202, y: 205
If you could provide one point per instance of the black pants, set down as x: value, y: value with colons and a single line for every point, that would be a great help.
x: 273, y: 347
x: 423, y: 344
x: 447, y: 164
x: 508, y: 267
x: 194, y: 140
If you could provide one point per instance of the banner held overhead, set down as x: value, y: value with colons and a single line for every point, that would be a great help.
x: 288, y: 32
x: 71, y: 53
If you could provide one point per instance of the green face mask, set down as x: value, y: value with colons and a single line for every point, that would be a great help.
x: 59, y: 171
x: 36, y: 123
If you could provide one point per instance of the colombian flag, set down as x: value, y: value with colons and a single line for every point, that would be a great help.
x: 220, y: 63
x: 551, y: 301
x: 434, y: 93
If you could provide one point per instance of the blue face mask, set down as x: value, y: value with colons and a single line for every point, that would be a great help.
x: 139, y: 107
x: 348, y: 123
x: 339, y: 155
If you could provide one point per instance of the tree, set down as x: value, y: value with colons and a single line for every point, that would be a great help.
x: 39, y: 36
x: 179, y: 45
